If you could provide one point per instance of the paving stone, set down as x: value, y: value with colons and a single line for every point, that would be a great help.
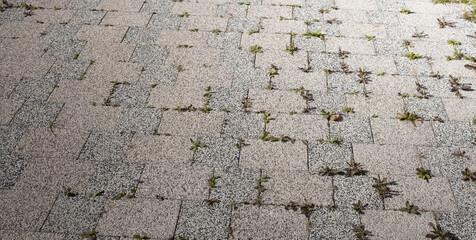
x: 278, y: 155
x: 159, y: 150
x: 159, y: 74
x: 40, y: 142
x: 374, y: 64
x: 192, y: 124
x: 36, y: 114
x: 33, y: 89
x: 128, y: 216
x: 273, y: 222
x: 464, y: 195
x: 453, y: 133
x: 283, y: 26
x: 350, y: 190
x: 80, y: 92
x: 250, y: 78
x: 299, y: 187
x: 24, y: 211
x: 242, y: 24
x: 282, y: 2
x: 426, y: 108
x: 164, y: 21
x: 389, y: 47
x: 8, y: 84
x: 107, y: 52
x: 336, y: 223
x: 48, y: 4
x: 441, y: 161
x: 86, y: 118
x: 328, y: 155
x: 8, y: 108
x: 149, y: 54
x: 13, y: 167
x: 460, y: 224
x: 359, y: 4
x: 322, y: 61
x: 224, y: 40
x: 347, y: 15
x: 352, y: 129
x: 311, y: 11
x: 141, y: 36
x: 407, y: 66
x: 390, y: 85
x: 309, y: 44
x: 200, y: 220
x: 281, y: 58
x: 115, y: 178
x: 243, y: 125
x: 64, y: 51
x: 192, y: 8
x: 273, y: 101
x: 455, y: 68
x: 358, y: 30
x: 380, y: 106
x: 51, y: 174
x: 130, y: 95
x: 203, y: 77
x: 329, y: 30
x: 193, y: 57
x: 25, y: 67
x: 289, y: 79
x: 98, y: 33
x: 140, y: 120
x: 330, y: 101
x: 21, y: 29
x: 434, y: 195
x: 67, y: 70
x: 298, y: 126
x: 383, y: 17
x: 9, y: 136
x: 23, y: 47
x: 342, y: 82
x: 395, y: 224
x: 227, y: 99
x: 218, y: 153
x: 126, y: 19
x: 459, y: 109
x: 388, y: 131
x: 204, y: 23
x: 375, y: 158
x: 235, y: 185
x: 50, y: 16
x: 427, y: 7
x: 352, y: 45
x: 30, y: 235
x: 105, y: 147
x: 173, y: 38
x: 267, y: 41
x: 86, y: 16
x: 60, y: 32
x: 185, y: 183
x: 73, y: 214
x: 262, y: 11
x: 434, y: 50
x: 121, y: 5
x: 232, y: 10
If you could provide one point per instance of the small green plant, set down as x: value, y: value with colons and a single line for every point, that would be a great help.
x: 216, y: 31
x: 196, y: 145
x: 184, y: 46
x: 405, y: 11
x: 457, y: 55
x: 240, y: 143
x: 243, y: 3
x: 335, y: 140
x: 412, y: 117
x: 317, y: 33
x: 255, y: 49
x: 381, y: 187
x: 329, y: 171
x: 409, y: 208
x: 443, y: 23
x: 68, y: 192
x: 369, y: 38
x: 363, y: 76
x: 436, y: 75
x: 211, y: 181
x: 207, y: 95
x: 184, y: 14
x: 348, y: 109
x: 251, y: 31
x: 179, y: 68
x: 438, y: 233
x: 91, y: 235
x: 456, y: 86
x: 96, y: 193
x: 468, y: 175
x: 354, y: 169
x: 307, y: 209
x: 210, y: 202
x: 189, y: 108
x: 330, y: 115
x: 424, y: 174
x: 360, y: 232
x: 272, y: 71
x: 245, y: 103
x: 281, y: 18
x: 118, y: 196
x: 266, y: 118
x: 359, y: 207
x: 290, y: 48
x: 412, y: 55
x: 421, y: 34
x: 453, y: 42
x: 194, y: 30
x: 140, y: 237
x: 407, y: 43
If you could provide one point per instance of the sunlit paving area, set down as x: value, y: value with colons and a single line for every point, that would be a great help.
x: 237, y: 119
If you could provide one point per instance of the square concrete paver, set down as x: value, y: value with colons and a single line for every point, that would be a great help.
x: 257, y: 154
x: 274, y: 221
x: 393, y: 131
x: 128, y: 216
x: 276, y: 101
x: 171, y: 97
x: 298, y: 126
x: 131, y: 19
x: 192, y: 124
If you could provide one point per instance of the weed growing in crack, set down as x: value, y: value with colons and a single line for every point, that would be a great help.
x: 359, y: 207
x: 329, y: 171
x: 438, y: 232
x: 405, y: 11
x: 207, y: 95
x: 369, y: 38
x: 189, y: 108
x: 344, y: 67
x: 443, y: 23
x: 412, y: 55
x: 363, y: 76
x: 468, y: 175
x: 245, y: 103
x: 211, y: 181
x: 306, y: 95
x: 360, y: 232
x: 96, y: 193
x: 211, y: 202
x: 184, y: 14
x: 335, y: 140
x: 456, y: 86
x: 90, y: 235
x: 381, y: 187
x: 317, y: 33
x: 330, y: 115
x: 259, y: 186
x: 216, y: 31
x: 354, y: 169
x: 240, y: 143
x: 453, y: 42
x: 255, y: 49
x: 342, y: 54
x: 421, y: 34
x: 290, y: 48
x: 266, y: 118
x: 409, y: 208
x: 407, y: 43
x: 457, y: 55
x: 420, y: 92
x: 68, y: 192
x: 412, y: 117
x: 139, y: 237
x: 196, y: 145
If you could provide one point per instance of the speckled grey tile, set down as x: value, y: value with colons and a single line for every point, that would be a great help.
x: 219, y: 153
x: 235, y: 185
x: 350, y: 190
x: 105, y: 146
x: 328, y: 155
x: 326, y: 223
x: 12, y: 169
x: 453, y: 133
